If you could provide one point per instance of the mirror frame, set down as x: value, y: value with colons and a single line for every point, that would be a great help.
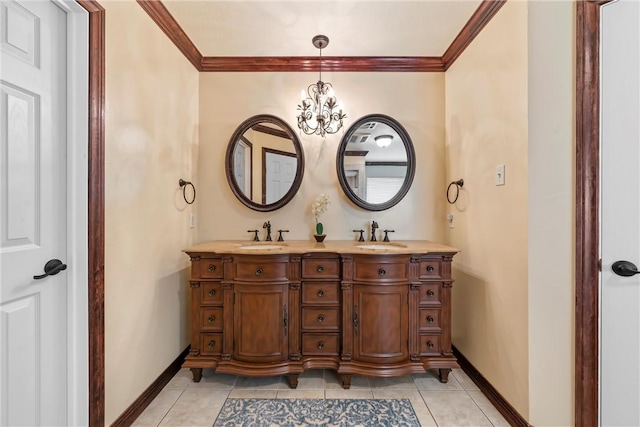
x: 411, y: 162
x: 245, y: 126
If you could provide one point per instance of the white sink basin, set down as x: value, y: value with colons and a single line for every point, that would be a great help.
x: 259, y: 247
x: 381, y: 246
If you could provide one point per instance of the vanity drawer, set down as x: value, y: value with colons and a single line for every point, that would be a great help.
x: 261, y: 270
x: 321, y: 268
x: 430, y: 319
x: 430, y: 345
x: 211, y: 319
x: 430, y: 294
x: 210, y: 268
x: 382, y: 271
x: 320, y: 344
x: 430, y: 269
x: 320, y: 293
x: 325, y: 319
x: 210, y: 344
x: 211, y: 293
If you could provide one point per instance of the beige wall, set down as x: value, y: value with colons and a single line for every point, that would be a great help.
x: 551, y: 153
x: 151, y: 141
x: 486, y: 117
x: 227, y: 99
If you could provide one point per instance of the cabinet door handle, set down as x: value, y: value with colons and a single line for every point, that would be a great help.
x: 430, y: 319
x: 259, y: 272
x: 212, y: 268
x: 320, y: 293
x: 382, y: 272
x: 211, y: 319
x: 430, y: 268
x: 355, y: 319
x: 320, y: 318
x: 320, y: 269
x: 211, y: 292
x: 430, y: 344
x: 430, y: 293
x: 211, y: 344
x: 285, y: 320
x: 320, y: 345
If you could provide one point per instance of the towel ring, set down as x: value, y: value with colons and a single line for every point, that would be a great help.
x: 459, y: 183
x: 182, y: 183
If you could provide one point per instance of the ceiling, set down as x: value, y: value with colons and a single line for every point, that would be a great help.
x: 355, y: 27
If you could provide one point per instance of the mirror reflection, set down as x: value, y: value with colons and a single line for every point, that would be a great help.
x: 376, y: 162
x: 264, y: 163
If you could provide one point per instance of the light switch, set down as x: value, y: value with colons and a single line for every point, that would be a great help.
x: 450, y: 219
x: 499, y: 175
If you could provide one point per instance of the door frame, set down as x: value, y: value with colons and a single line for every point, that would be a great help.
x: 587, y: 246
x: 95, y: 212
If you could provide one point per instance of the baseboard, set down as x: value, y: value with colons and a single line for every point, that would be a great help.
x: 140, y: 404
x: 508, y: 412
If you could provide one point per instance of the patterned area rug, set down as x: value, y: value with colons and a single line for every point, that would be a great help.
x: 317, y: 412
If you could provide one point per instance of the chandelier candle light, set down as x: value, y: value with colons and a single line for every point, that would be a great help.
x: 319, y: 110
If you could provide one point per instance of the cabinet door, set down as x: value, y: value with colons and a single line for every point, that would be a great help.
x: 380, y: 323
x: 261, y: 319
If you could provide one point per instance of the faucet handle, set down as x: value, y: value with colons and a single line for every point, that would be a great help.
x: 280, y: 239
x: 361, y: 238
x: 255, y: 236
x: 386, y: 237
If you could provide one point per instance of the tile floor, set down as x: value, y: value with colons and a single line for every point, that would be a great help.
x: 456, y: 403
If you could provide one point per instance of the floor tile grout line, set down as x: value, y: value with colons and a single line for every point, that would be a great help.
x: 170, y: 408
x: 482, y: 410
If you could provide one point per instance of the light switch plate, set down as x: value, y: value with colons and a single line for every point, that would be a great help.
x: 500, y: 175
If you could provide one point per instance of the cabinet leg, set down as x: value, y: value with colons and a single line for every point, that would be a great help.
x: 444, y: 375
x: 293, y: 380
x: 346, y: 381
x: 197, y: 374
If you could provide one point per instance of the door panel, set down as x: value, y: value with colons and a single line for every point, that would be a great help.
x: 33, y: 313
x: 620, y: 204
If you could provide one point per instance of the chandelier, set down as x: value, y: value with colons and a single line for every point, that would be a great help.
x: 319, y: 110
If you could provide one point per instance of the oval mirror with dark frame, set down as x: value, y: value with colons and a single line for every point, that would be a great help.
x: 376, y: 162
x: 264, y: 163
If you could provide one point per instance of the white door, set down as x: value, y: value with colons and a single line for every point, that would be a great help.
x: 620, y: 206
x: 33, y: 313
x: 281, y: 171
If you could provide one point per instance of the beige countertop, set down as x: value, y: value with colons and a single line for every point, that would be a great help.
x: 333, y: 246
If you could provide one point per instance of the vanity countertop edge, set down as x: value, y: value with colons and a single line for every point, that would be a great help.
x: 332, y: 246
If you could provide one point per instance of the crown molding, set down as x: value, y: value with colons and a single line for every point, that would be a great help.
x: 163, y: 18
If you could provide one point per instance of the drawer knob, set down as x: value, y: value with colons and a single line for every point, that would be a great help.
x: 259, y: 272
x: 320, y: 345
x: 430, y: 319
x: 430, y: 344
x: 320, y: 269
x: 211, y: 292
x: 382, y: 272
x: 211, y: 319
x: 321, y: 318
x: 212, y: 268
x: 320, y: 293
x: 211, y: 344
x: 430, y: 268
x: 430, y: 293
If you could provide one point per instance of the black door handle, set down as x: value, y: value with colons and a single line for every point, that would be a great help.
x: 51, y: 268
x: 625, y: 268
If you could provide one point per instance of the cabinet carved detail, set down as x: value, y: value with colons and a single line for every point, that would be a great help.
x: 279, y: 314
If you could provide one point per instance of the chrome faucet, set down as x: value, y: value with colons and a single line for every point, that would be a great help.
x: 267, y: 225
x: 374, y: 225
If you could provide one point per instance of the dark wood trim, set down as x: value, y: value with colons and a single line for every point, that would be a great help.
x: 271, y: 131
x: 266, y: 150
x: 386, y: 163
x: 163, y: 18
x: 356, y: 153
x: 500, y: 403
x: 479, y: 19
x: 95, y: 281
x: 587, y: 211
x: 329, y: 63
x: 140, y: 404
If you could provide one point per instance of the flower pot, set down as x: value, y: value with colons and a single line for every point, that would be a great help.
x: 319, y: 237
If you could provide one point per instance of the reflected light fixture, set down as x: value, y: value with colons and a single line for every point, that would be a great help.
x: 383, y: 140
x: 319, y: 110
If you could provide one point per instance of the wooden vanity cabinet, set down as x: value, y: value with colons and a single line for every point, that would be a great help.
x: 367, y: 314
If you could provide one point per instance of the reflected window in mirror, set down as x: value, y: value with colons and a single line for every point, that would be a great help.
x: 376, y: 162
x: 264, y: 163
